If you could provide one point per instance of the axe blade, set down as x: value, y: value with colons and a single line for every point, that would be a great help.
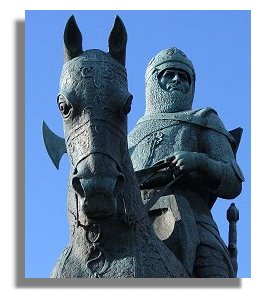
x: 54, y: 145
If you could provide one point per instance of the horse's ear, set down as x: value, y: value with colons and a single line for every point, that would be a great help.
x: 118, y: 41
x: 72, y: 40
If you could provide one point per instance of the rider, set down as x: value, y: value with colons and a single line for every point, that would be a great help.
x: 202, y: 151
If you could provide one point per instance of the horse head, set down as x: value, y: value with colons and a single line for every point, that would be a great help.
x: 94, y: 102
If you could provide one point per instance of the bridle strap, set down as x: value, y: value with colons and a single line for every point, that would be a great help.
x: 78, y: 223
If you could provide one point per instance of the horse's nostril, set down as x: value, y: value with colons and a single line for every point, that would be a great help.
x: 76, y: 184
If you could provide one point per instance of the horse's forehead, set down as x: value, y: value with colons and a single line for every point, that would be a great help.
x: 92, y: 61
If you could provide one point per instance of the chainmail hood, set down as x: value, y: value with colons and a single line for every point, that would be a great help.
x: 159, y: 100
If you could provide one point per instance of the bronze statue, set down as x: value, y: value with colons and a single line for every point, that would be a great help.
x: 110, y: 232
x: 192, y: 152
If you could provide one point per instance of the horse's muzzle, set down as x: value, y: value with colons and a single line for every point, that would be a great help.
x: 98, y: 186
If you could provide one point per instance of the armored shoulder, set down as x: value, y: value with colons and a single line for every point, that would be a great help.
x: 213, y: 122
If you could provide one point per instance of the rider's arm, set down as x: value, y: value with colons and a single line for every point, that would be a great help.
x: 218, y: 163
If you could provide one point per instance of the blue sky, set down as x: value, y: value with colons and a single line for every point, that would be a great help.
x: 217, y: 42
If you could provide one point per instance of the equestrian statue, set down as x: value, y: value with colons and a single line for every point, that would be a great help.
x: 139, y: 205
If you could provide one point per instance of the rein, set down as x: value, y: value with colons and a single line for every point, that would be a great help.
x: 144, y: 175
x: 78, y: 223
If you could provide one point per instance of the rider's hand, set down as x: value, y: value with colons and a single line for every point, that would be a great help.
x: 189, y: 161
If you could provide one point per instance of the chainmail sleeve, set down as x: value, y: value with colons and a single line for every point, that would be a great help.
x: 224, y: 175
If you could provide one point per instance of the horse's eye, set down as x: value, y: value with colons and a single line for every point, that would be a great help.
x: 64, y: 107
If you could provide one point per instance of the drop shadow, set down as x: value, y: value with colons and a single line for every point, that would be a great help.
x: 20, y: 151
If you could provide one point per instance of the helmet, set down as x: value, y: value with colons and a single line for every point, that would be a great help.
x: 159, y: 100
x: 170, y: 58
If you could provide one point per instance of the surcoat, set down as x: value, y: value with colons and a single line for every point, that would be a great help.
x: 158, y: 136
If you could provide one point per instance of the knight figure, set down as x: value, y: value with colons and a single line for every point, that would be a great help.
x: 202, y: 154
